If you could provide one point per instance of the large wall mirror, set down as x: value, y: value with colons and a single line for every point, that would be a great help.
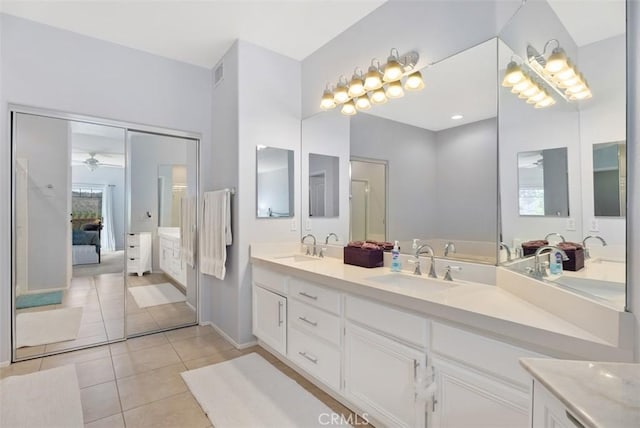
x: 274, y: 182
x: 591, y: 133
x: 424, y: 166
x: 97, y: 249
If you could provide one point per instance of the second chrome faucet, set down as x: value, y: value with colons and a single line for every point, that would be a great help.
x: 424, y: 248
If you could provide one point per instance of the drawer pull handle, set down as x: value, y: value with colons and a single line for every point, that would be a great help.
x: 313, y: 323
x: 573, y: 419
x: 314, y: 360
x: 279, y: 314
x: 303, y: 293
x: 132, y: 246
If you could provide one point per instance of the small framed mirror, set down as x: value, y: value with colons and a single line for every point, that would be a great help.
x: 609, y: 179
x: 543, y: 183
x: 324, y: 180
x: 274, y: 182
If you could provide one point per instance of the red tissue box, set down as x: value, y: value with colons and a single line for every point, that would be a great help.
x: 363, y: 257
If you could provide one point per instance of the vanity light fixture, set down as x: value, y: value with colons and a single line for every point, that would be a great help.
x: 526, y: 87
x: 559, y: 72
x: 376, y: 86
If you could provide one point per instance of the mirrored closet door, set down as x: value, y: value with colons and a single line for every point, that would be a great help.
x: 104, y: 232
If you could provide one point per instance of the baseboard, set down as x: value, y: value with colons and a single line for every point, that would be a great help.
x: 5, y: 363
x: 228, y: 338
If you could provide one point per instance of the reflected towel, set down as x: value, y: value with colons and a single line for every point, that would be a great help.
x: 188, y: 229
x: 216, y: 232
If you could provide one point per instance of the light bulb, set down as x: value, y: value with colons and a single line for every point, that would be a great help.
x: 545, y: 102
x: 327, y: 102
x: 579, y: 87
x: 414, y: 82
x: 378, y: 96
x: 512, y: 75
x: 572, y: 81
x: 530, y: 92
x: 372, y: 79
x: 556, y: 62
x: 392, y: 70
x: 348, y: 108
x: 340, y: 95
x: 537, y: 97
x: 584, y: 95
x: 565, y: 74
x: 522, y: 86
x: 394, y: 90
x: 356, y: 86
x: 363, y: 103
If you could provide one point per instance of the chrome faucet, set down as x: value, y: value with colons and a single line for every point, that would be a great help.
x: 584, y: 244
x: 419, y: 250
x: 314, y: 244
x: 326, y: 240
x: 447, y: 274
x: 546, y: 238
x: 449, y: 248
x: 507, y: 249
x: 540, y: 270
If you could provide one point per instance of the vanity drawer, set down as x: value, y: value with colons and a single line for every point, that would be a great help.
x: 132, y: 264
x: 317, y: 358
x: 313, y: 320
x: 402, y: 325
x: 133, y: 251
x: 315, y: 295
x: 269, y: 279
x: 133, y: 239
x: 488, y: 355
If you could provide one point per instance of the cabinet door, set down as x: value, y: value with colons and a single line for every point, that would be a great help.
x: 270, y: 318
x: 380, y: 377
x: 548, y: 412
x: 466, y: 398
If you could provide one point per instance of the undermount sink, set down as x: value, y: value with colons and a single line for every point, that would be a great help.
x: 296, y: 258
x: 417, y: 282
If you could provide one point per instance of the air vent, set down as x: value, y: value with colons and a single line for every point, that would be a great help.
x: 218, y: 74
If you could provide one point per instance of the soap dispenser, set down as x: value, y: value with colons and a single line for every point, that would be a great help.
x: 396, y: 266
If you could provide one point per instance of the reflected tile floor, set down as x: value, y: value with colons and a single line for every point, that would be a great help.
x: 137, y: 383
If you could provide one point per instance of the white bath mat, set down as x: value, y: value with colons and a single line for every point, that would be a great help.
x: 40, y: 328
x: 249, y: 392
x: 156, y: 294
x: 50, y: 398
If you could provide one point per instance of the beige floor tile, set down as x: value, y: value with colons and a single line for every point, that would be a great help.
x: 212, y: 359
x: 75, y: 357
x: 177, y: 411
x: 21, y: 368
x: 260, y: 351
x: 115, y: 328
x: 115, y: 421
x: 78, y: 343
x: 138, y: 343
x: 91, y: 316
x: 140, y: 323
x: 188, y: 332
x: 200, y: 346
x: 151, y: 386
x: 29, y: 351
x: 94, y: 372
x: 136, y: 362
x: 100, y: 401
x: 92, y: 329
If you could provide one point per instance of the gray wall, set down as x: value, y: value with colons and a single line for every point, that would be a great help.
x: 55, y: 69
x: 467, y: 177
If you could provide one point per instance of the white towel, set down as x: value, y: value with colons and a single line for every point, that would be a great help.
x: 216, y: 232
x: 188, y: 229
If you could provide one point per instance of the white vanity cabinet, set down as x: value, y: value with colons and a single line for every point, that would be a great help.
x: 171, y: 261
x: 479, y: 381
x: 139, y: 253
x: 549, y: 412
x: 385, y: 362
x: 270, y: 308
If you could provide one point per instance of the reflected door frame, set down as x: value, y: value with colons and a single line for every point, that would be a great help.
x: 385, y: 220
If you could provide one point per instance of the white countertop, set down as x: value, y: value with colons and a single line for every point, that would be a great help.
x: 597, y: 394
x: 491, y: 309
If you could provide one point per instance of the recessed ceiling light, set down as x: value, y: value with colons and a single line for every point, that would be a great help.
x: 457, y: 117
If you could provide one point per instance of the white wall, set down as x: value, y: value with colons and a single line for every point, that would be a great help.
x: 412, y: 161
x: 104, y: 176
x: 60, y: 70
x: 326, y: 134
x: 602, y: 120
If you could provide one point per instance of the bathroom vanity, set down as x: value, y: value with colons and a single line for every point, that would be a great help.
x: 407, y: 350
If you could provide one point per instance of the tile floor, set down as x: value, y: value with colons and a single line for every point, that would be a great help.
x: 102, y: 300
x: 137, y: 383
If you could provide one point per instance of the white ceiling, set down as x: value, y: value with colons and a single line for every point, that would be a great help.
x: 200, y: 32
x: 589, y: 21
x: 464, y: 84
x: 106, y: 142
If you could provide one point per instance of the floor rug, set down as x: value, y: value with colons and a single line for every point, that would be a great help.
x: 40, y: 299
x: 49, y: 398
x: 156, y: 294
x: 249, y: 392
x: 39, y: 328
